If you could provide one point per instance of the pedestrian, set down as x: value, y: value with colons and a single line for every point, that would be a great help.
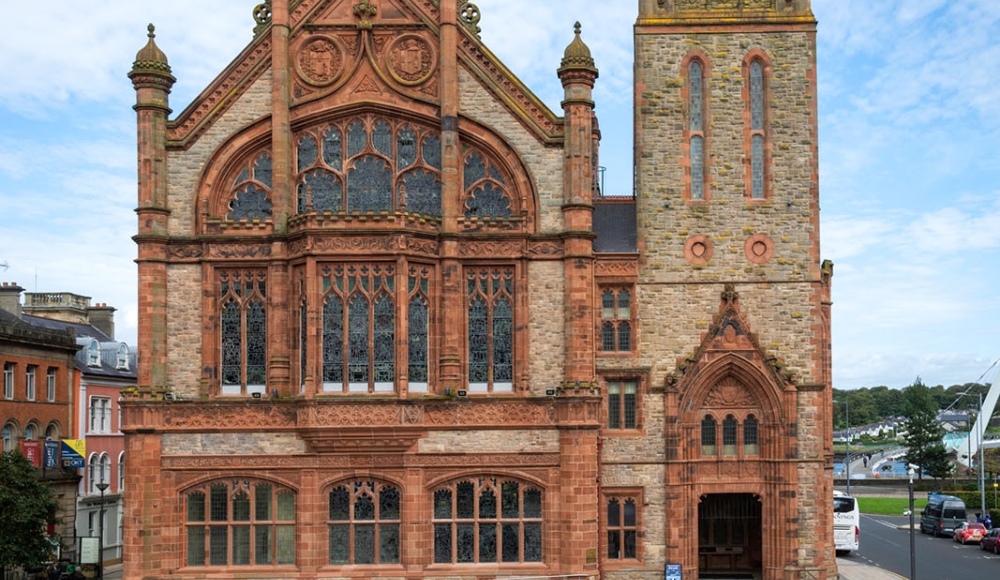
x: 987, y: 522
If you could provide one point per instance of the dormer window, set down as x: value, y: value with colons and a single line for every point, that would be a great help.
x: 122, y: 360
x: 94, y: 354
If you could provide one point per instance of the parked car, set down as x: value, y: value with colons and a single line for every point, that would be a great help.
x: 943, y: 514
x: 991, y: 541
x: 969, y: 532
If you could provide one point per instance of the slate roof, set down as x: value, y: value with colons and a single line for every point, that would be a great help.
x: 614, y: 224
x: 108, y: 345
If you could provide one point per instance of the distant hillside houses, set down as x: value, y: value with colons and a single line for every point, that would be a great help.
x: 888, y: 427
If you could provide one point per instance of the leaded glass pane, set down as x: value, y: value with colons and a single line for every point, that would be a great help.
x: 306, y: 153
x: 286, y: 506
x: 382, y: 138
x: 320, y: 190
x: 442, y: 504
x: 496, y: 175
x: 756, y: 96
x: 431, y: 151
x: 695, y: 86
x: 262, y: 545
x: 474, y: 170
x: 369, y: 185
x: 256, y: 343
x: 406, y: 148
x: 729, y: 431
x: 478, y: 341
x: 196, y: 546
x: 614, y: 513
x: 624, y: 304
x: 708, y: 436
x: 503, y: 342
x: 532, y: 542
x: 384, y: 340
x: 422, y: 192
x: 750, y: 436
x: 511, y: 543
x: 388, y: 508
x: 628, y: 514
x: 757, y: 166
x: 624, y: 336
x: 614, y: 406
x: 364, y: 544
x: 510, y: 500
x: 532, y: 503
x: 629, y: 406
x: 340, y: 544
x: 219, y: 506
x: 218, y: 545
x: 629, y: 544
x: 250, y: 202
x: 697, y: 168
x: 364, y: 508
x: 196, y: 507
x: 442, y: 543
x: 466, y: 543
x: 614, y: 544
x: 333, y: 149
x: 487, y: 201
x: 357, y: 336
x: 417, y: 343
x: 608, y: 336
x: 286, y: 545
x: 340, y: 504
x: 608, y: 304
x: 465, y: 500
x: 241, y: 546
x: 243, y: 176
x: 303, y: 342
x: 241, y: 507
x: 388, y: 540
x: 333, y: 340
x: 262, y: 169
x: 487, y: 504
x: 487, y: 542
x: 357, y: 138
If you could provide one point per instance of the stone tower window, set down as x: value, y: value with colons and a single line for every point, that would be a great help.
x: 696, y: 104
x: 756, y: 128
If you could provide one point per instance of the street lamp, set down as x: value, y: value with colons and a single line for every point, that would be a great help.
x: 913, y: 553
x: 100, y: 537
x: 847, y: 459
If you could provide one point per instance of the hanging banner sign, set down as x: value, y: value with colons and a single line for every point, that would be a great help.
x: 73, y: 453
x: 32, y: 451
x: 50, y: 454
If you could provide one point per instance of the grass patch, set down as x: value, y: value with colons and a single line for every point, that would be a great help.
x: 889, y: 506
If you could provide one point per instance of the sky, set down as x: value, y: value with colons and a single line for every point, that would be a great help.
x: 909, y: 114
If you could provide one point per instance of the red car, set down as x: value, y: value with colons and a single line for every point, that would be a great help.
x: 969, y: 533
x: 991, y: 541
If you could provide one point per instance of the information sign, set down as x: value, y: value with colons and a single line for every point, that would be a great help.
x: 672, y: 572
x: 73, y: 453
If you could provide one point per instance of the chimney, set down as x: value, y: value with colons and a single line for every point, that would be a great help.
x: 10, y: 298
x: 102, y: 317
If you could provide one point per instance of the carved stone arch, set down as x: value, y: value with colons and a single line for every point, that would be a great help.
x: 329, y: 484
x: 464, y: 474
x: 698, y: 391
x: 252, y: 476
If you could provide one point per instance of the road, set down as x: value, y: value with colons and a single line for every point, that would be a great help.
x: 885, y: 545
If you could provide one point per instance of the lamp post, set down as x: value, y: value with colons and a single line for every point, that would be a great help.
x: 847, y: 459
x: 100, y: 537
x: 913, y: 552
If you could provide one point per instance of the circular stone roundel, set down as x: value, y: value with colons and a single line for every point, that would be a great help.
x: 759, y: 248
x: 320, y: 60
x: 698, y: 250
x: 411, y: 59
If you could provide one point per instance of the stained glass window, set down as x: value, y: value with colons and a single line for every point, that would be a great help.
x: 490, y: 329
x: 359, y: 328
x: 708, y: 428
x: 490, y: 520
x: 486, y: 195
x: 622, y: 528
x: 243, y: 320
x: 616, y: 315
x: 251, y: 189
x: 418, y: 329
x: 757, y: 129
x: 729, y: 436
x: 239, y: 523
x: 750, y: 436
x: 696, y: 123
x: 364, y: 523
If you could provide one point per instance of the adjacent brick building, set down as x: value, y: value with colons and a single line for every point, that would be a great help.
x: 391, y: 328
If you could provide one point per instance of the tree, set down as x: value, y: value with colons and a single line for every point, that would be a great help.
x: 924, y: 433
x: 26, y: 508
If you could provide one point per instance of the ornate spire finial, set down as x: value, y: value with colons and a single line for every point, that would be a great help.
x: 576, y: 28
x: 577, y: 55
x: 151, y: 29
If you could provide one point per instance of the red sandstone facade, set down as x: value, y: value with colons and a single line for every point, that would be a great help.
x: 390, y: 328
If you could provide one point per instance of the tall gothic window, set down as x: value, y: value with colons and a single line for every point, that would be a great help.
x: 239, y: 523
x: 243, y: 299
x: 251, y: 190
x: 696, y: 127
x: 616, y: 320
x: 622, y: 528
x: 757, y: 129
x: 729, y: 435
x: 369, y: 164
x: 364, y: 523
x: 417, y: 328
x: 491, y: 328
x: 708, y: 436
x: 359, y: 328
x: 622, y: 405
x: 487, y: 520
x: 750, y: 436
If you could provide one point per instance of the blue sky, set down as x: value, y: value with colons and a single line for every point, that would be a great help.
x: 909, y: 107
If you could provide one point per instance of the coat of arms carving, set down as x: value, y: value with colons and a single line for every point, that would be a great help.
x: 411, y: 59
x: 320, y: 61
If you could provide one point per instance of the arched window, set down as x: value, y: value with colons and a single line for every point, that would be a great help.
x: 239, y: 522
x: 105, y: 474
x: 93, y: 354
x: 622, y: 528
x: 250, y: 191
x: 708, y: 436
x: 93, y: 472
x: 30, y: 432
x: 490, y: 328
x: 486, y: 196
x: 364, y: 523
x: 487, y: 520
x: 418, y: 329
x: 121, y: 471
x: 243, y: 317
x: 8, y: 435
x: 52, y: 431
x: 729, y: 435
x: 750, y: 436
x: 122, y: 358
x: 756, y: 128
x: 696, y: 123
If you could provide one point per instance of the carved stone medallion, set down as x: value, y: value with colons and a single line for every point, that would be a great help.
x: 411, y: 59
x: 320, y: 61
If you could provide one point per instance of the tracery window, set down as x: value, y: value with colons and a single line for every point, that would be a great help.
x: 696, y: 127
x: 487, y: 520
x: 418, y: 328
x: 757, y: 127
x: 616, y: 320
x: 251, y: 191
x: 750, y: 436
x: 364, y: 523
x: 622, y: 403
x: 359, y: 328
x: 239, y: 523
x: 486, y: 195
x: 490, y: 328
x: 369, y: 163
x: 622, y: 527
x: 243, y: 318
x: 708, y: 436
x: 729, y: 436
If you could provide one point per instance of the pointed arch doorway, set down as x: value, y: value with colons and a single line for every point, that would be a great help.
x: 730, y: 539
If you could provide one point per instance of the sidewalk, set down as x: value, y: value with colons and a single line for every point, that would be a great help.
x: 856, y: 570
x: 113, y: 572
